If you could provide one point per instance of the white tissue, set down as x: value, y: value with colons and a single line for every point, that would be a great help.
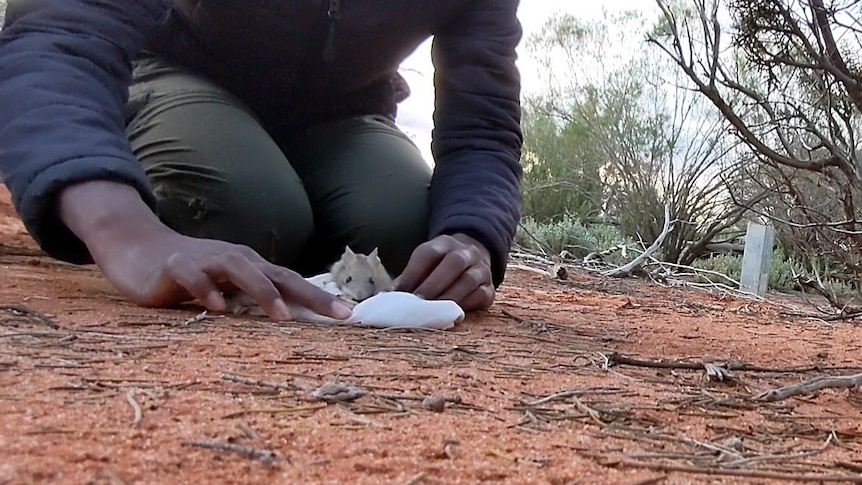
x: 406, y: 310
x: 326, y: 282
x: 390, y: 309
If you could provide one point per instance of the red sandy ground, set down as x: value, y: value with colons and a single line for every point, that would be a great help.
x: 65, y: 392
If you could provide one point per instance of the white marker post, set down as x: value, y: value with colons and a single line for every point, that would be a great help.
x: 757, y: 259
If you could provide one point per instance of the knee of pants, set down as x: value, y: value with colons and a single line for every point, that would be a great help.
x: 369, y: 187
x: 396, y: 230
x: 275, y: 219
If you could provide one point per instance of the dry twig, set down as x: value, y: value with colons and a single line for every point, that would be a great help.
x: 809, y: 386
x: 416, y: 479
x: 793, y: 477
x: 136, y: 408
x: 266, y: 456
x: 783, y: 457
x: 25, y: 311
x: 260, y: 383
x: 619, y: 359
x: 638, y: 261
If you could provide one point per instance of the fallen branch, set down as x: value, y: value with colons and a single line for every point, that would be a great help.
x: 809, y: 386
x: 25, y: 311
x: 6, y: 250
x: 638, y: 261
x: 731, y: 283
x: 793, y: 477
x: 266, y: 456
x: 784, y: 457
x: 571, y: 393
x: 260, y: 383
x: 530, y: 269
x: 619, y: 359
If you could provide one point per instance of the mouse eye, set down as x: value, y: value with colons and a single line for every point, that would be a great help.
x: 349, y: 279
x: 371, y: 280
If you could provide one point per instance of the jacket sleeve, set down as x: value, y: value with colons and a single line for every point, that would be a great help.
x: 65, y: 67
x: 477, y: 135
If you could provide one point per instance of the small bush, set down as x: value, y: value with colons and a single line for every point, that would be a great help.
x: 567, y: 234
x: 843, y: 291
x: 608, y: 236
x: 725, y: 264
x: 780, y: 273
x: 570, y: 234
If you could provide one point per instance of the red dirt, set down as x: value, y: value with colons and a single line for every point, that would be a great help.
x: 66, y: 414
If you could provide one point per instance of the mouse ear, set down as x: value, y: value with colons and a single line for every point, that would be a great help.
x: 349, y: 254
x: 373, y: 254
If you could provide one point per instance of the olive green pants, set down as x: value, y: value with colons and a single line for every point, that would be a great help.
x: 216, y: 173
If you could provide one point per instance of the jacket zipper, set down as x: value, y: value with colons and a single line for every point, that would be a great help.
x: 332, y: 14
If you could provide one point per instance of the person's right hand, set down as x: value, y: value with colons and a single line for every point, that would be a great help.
x: 154, y: 266
x: 164, y: 269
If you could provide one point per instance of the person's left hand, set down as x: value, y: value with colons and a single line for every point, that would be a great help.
x: 455, y: 267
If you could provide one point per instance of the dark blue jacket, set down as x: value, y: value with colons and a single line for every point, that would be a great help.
x: 65, y: 67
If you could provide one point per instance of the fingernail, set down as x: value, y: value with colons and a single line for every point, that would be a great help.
x: 282, y: 310
x: 341, y: 311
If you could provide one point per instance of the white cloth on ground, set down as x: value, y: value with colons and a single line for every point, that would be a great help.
x: 389, y: 309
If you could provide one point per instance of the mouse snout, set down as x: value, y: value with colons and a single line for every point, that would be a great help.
x: 360, y: 291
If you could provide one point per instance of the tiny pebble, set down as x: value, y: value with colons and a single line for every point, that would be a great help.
x: 434, y: 403
x: 735, y: 443
x: 333, y: 392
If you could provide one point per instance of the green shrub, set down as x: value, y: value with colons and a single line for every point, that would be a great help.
x: 724, y: 264
x: 570, y: 234
x: 566, y: 234
x: 780, y: 273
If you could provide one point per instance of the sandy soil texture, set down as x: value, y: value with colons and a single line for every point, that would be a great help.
x: 590, y: 380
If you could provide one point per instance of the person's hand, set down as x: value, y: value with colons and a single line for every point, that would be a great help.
x: 165, y: 268
x: 154, y: 266
x: 456, y: 267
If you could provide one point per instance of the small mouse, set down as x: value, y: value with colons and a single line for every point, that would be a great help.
x: 360, y: 277
x: 356, y: 277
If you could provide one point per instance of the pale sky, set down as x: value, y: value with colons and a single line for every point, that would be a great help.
x: 414, y: 114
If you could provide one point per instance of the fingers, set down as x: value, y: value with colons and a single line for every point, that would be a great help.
x: 266, y: 284
x: 298, y: 290
x: 245, y: 275
x: 422, y: 262
x: 187, y: 274
x: 461, y: 263
x: 233, y: 267
x: 466, y: 284
x: 473, y: 290
x: 481, y: 299
x: 450, y: 268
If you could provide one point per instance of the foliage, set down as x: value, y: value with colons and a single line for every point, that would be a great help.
x: 561, y: 171
x: 569, y: 234
x: 614, y: 138
x: 788, y: 80
x: 782, y: 273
